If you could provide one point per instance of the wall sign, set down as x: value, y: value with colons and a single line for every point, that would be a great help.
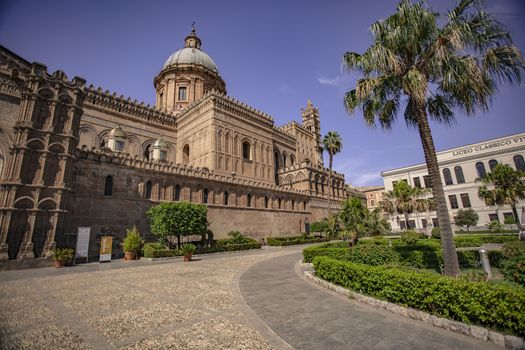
x: 105, y: 249
x: 83, y: 242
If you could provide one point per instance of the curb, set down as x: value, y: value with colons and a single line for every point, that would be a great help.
x: 476, y: 332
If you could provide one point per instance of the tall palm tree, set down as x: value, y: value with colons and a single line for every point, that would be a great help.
x: 503, y: 185
x: 403, y: 199
x: 332, y: 144
x: 430, y: 64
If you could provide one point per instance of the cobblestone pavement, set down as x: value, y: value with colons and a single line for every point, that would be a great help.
x: 134, y: 305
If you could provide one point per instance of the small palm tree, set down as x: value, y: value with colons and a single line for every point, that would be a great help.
x: 503, y: 186
x: 403, y: 199
x: 429, y: 65
x: 332, y: 144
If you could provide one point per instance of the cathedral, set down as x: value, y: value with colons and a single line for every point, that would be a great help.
x: 72, y: 155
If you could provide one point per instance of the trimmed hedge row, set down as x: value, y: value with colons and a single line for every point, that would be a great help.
x: 151, y: 251
x: 488, y: 232
x: 476, y: 241
x: 286, y: 241
x: 497, y: 306
x: 418, y: 256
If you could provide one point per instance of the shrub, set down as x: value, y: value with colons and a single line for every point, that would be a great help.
x: 63, y: 254
x: 488, y: 232
x: 476, y: 241
x: 372, y: 254
x: 238, y: 238
x: 286, y: 241
x: 320, y: 226
x: 188, y: 248
x: 436, y: 233
x: 466, y: 217
x: 133, y: 242
x: 158, y: 250
x: 513, y: 249
x: 410, y: 237
x: 514, y: 269
x: 496, y: 306
x: 495, y: 226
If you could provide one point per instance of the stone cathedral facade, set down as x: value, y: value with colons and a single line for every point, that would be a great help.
x: 73, y: 155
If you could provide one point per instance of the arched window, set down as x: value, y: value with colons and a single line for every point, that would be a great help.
x: 266, y: 202
x: 292, y: 160
x: 276, y: 160
x: 519, y: 163
x: 148, y: 189
x: 177, y: 193
x: 226, y: 197
x: 205, y: 196
x: 108, y: 186
x: 284, y: 160
x: 293, y: 205
x: 186, y: 154
x: 492, y: 164
x: 480, y: 168
x: 459, y: 175
x: 447, y: 176
x: 249, y: 200
x: 147, y: 152
x: 304, y: 205
x: 246, y: 151
x: 279, y: 202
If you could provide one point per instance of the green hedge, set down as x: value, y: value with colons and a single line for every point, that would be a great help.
x: 487, y: 232
x: 286, y: 241
x: 496, y: 306
x: 153, y: 251
x: 478, y: 240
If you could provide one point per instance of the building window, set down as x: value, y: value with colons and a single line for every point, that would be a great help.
x: 507, y: 216
x: 108, y: 186
x: 163, y: 155
x: 182, y: 93
x: 186, y: 154
x: 459, y: 175
x: 492, y: 164
x: 119, y: 145
x: 279, y: 202
x: 435, y: 222
x: 372, y: 202
x: 402, y: 225
x: 394, y: 183
x: 266, y: 202
x: 480, y: 168
x: 249, y: 200
x: 177, y: 193
x: 293, y: 205
x: 304, y: 205
x: 147, y: 151
x: 465, y: 200
x: 427, y: 181
x: 148, y: 189
x: 424, y: 223
x: 453, y: 201
x: 417, y: 182
x: 447, y: 176
x: 519, y: 162
x: 494, y: 217
x: 205, y: 196
x: 246, y: 154
x: 226, y: 197
x: 284, y: 160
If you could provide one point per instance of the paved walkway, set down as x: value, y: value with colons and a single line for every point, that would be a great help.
x: 307, y: 316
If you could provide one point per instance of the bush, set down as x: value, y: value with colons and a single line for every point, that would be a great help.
x: 158, y: 250
x: 64, y: 254
x: 495, y: 226
x: 237, y: 238
x: 487, y: 232
x: 513, y: 249
x: 466, y: 217
x: 188, y: 248
x: 320, y: 226
x: 133, y: 242
x: 476, y: 241
x: 410, y: 237
x: 495, y: 306
x: 286, y: 241
x: 513, y: 265
x: 436, y: 233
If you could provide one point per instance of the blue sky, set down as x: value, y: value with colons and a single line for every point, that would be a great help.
x: 273, y: 55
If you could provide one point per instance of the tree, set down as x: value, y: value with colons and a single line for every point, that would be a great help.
x: 466, y: 217
x: 179, y: 219
x: 352, y: 219
x: 432, y: 64
x: 503, y: 186
x: 403, y: 199
x: 375, y: 224
x: 332, y: 143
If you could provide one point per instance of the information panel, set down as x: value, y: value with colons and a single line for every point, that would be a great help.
x: 105, y: 248
x: 83, y: 242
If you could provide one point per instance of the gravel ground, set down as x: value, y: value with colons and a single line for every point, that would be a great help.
x: 147, y: 305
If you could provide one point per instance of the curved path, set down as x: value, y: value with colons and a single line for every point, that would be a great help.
x: 307, y: 316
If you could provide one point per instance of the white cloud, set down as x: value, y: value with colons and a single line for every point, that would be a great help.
x: 368, y: 179
x: 338, y: 81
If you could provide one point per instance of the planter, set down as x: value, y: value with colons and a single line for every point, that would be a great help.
x: 187, y: 257
x: 130, y: 256
x: 59, y: 263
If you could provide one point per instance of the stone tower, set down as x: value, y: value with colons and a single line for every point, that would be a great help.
x: 37, y: 175
x: 187, y: 76
x: 312, y: 122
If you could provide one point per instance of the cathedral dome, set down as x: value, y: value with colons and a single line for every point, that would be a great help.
x: 191, y: 56
x: 118, y: 132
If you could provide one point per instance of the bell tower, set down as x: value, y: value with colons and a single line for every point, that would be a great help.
x: 312, y: 122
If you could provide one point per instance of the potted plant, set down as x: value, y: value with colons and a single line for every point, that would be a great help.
x: 188, y: 250
x: 63, y: 257
x: 132, y: 244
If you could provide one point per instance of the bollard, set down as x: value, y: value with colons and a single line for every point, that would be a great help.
x: 485, y: 262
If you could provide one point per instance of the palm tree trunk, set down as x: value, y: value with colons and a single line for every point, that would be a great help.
x: 516, y: 216
x: 330, y: 182
x: 450, y: 257
x: 406, y: 221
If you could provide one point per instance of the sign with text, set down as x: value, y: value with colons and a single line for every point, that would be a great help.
x: 105, y: 248
x: 489, y: 146
x: 83, y: 242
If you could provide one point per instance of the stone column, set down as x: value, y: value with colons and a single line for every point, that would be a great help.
x: 26, y: 248
x: 50, y: 244
x: 5, y: 219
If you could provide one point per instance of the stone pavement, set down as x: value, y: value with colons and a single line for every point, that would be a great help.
x: 307, y: 316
